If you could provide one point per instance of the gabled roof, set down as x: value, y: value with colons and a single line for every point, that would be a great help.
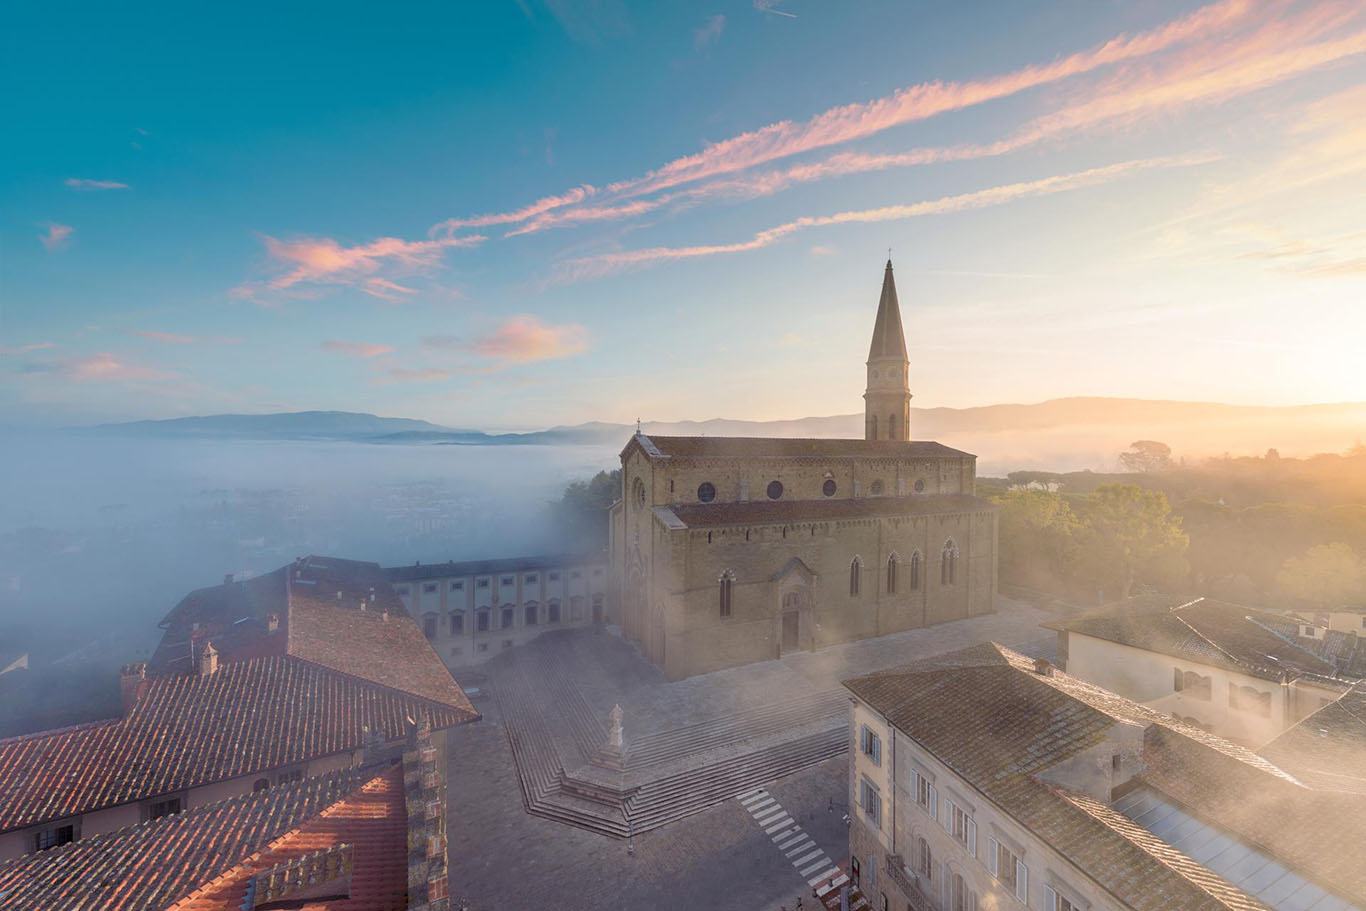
x: 888, y: 338
x: 762, y: 512
x: 1327, y: 750
x: 421, y: 571
x: 1203, y: 631
x: 156, y: 863
x: 698, y: 447
x: 245, y: 718
x: 997, y: 724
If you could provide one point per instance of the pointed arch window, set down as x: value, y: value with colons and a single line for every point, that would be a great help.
x: 873, y: 428
x: 915, y: 571
x: 724, y: 591
x: 891, y: 427
x: 855, y: 575
x: 948, y: 563
x: 891, y: 574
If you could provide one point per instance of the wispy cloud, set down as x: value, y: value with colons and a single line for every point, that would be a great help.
x: 524, y: 339
x: 419, y: 375
x: 607, y: 263
x: 25, y: 349
x: 174, y: 338
x: 771, y: 6
x: 85, y: 183
x: 101, y: 367
x: 710, y: 33
x: 545, y: 204
x: 357, y: 349
x: 55, y: 236
x: 324, y: 261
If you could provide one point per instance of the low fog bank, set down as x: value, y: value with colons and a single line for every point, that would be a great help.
x: 100, y: 537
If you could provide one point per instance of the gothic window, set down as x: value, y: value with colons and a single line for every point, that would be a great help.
x: 855, y: 572
x: 726, y: 583
x: 775, y: 490
x: 891, y: 427
x: 706, y: 492
x: 891, y: 574
x: 919, y: 485
x: 638, y: 490
x: 915, y: 571
x: 828, y: 488
x: 948, y: 563
x: 873, y: 427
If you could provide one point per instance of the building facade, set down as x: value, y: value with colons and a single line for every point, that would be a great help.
x: 471, y: 611
x: 726, y: 551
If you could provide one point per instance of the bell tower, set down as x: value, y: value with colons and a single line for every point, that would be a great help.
x: 887, y: 402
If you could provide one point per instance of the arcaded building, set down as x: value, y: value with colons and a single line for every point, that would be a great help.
x: 729, y: 550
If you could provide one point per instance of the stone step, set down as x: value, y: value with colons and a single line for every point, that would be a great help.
x: 653, y: 749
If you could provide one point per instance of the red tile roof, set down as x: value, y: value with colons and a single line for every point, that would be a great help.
x: 245, y: 718
x: 789, y: 448
x: 373, y: 821
x: 1327, y: 750
x: 156, y: 863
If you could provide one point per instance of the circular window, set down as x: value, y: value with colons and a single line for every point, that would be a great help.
x: 919, y: 485
x: 828, y: 488
x: 639, y: 489
x: 706, y: 492
x: 775, y: 490
x: 876, y: 488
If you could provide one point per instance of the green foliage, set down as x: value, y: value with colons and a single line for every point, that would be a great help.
x: 1131, y: 534
x: 1038, y: 533
x: 1146, y: 456
x: 1327, y: 575
x: 580, y: 515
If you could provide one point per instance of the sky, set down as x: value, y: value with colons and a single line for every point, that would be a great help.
x: 521, y: 214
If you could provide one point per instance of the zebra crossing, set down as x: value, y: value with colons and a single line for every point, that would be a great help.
x: 810, y: 862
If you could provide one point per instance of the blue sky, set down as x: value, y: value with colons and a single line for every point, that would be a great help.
x: 279, y: 207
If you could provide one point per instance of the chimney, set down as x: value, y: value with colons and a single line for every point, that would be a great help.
x: 132, y: 678
x: 272, y: 622
x: 1043, y: 667
x: 208, y: 660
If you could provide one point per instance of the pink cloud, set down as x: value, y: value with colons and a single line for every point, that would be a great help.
x: 25, y: 349
x: 576, y: 195
x: 597, y: 266
x: 169, y: 338
x: 860, y: 120
x: 56, y: 236
x: 102, y: 367
x: 316, y: 261
x: 524, y: 338
x: 358, y: 349
x: 83, y: 183
x: 420, y: 375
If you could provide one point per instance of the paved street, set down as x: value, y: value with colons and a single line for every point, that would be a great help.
x: 502, y: 857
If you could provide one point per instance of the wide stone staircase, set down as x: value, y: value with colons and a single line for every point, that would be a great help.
x: 556, y: 737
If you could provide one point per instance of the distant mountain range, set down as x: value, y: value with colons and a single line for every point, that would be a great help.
x: 1062, y: 434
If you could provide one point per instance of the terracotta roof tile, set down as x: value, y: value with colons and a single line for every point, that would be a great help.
x: 699, y: 447
x: 490, y: 567
x: 1327, y: 750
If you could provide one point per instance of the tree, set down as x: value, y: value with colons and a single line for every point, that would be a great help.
x: 581, y: 512
x: 1037, y: 536
x: 1146, y: 456
x: 1130, y: 530
x: 1327, y: 575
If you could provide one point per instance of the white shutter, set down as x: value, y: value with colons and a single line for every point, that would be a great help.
x: 1050, y: 899
x: 947, y: 821
x: 915, y: 786
x: 1021, y: 881
x: 972, y: 837
x: 934, y: 803
x: 992, y: 854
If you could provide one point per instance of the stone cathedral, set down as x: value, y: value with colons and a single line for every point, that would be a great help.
x: 728, y: 550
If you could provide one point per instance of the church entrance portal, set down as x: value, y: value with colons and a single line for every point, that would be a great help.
x: 791, y: 621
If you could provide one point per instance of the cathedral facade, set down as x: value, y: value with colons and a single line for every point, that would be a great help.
x: 729, y: 550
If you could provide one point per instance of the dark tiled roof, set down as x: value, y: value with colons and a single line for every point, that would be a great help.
x: 760, y: 512
x: 1205, y: 631
x: 187, y: 730
x: 985, y: 714
x: 1327, y: 750
x: 156, y: 863
x: 490, y: 567
x: 888, y: 339
x: 1319, y: 833
x: 791, y: 448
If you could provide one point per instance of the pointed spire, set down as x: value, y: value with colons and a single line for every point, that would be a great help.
x: 888, y: 339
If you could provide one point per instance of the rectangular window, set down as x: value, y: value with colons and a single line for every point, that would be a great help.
x: 429, y: 626
x: 507, y: 618
x: 482, y: 583
x: 507, y: 580
x: 870, y: 802
x: 925, y: 794
x: 1248, y: 699
x: 530, y: 579
x: 482, y: 624
x: 160, y: 808
x: 457, y: 623
x: 457, y: 586
x: 961, y: 826
x: 1056, y: 902
x: 871, y: 745
x: 51, y: 838
x: 428, y: 588
x: 552, y: 577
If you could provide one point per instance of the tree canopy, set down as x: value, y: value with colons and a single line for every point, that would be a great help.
x: 580, y: 515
